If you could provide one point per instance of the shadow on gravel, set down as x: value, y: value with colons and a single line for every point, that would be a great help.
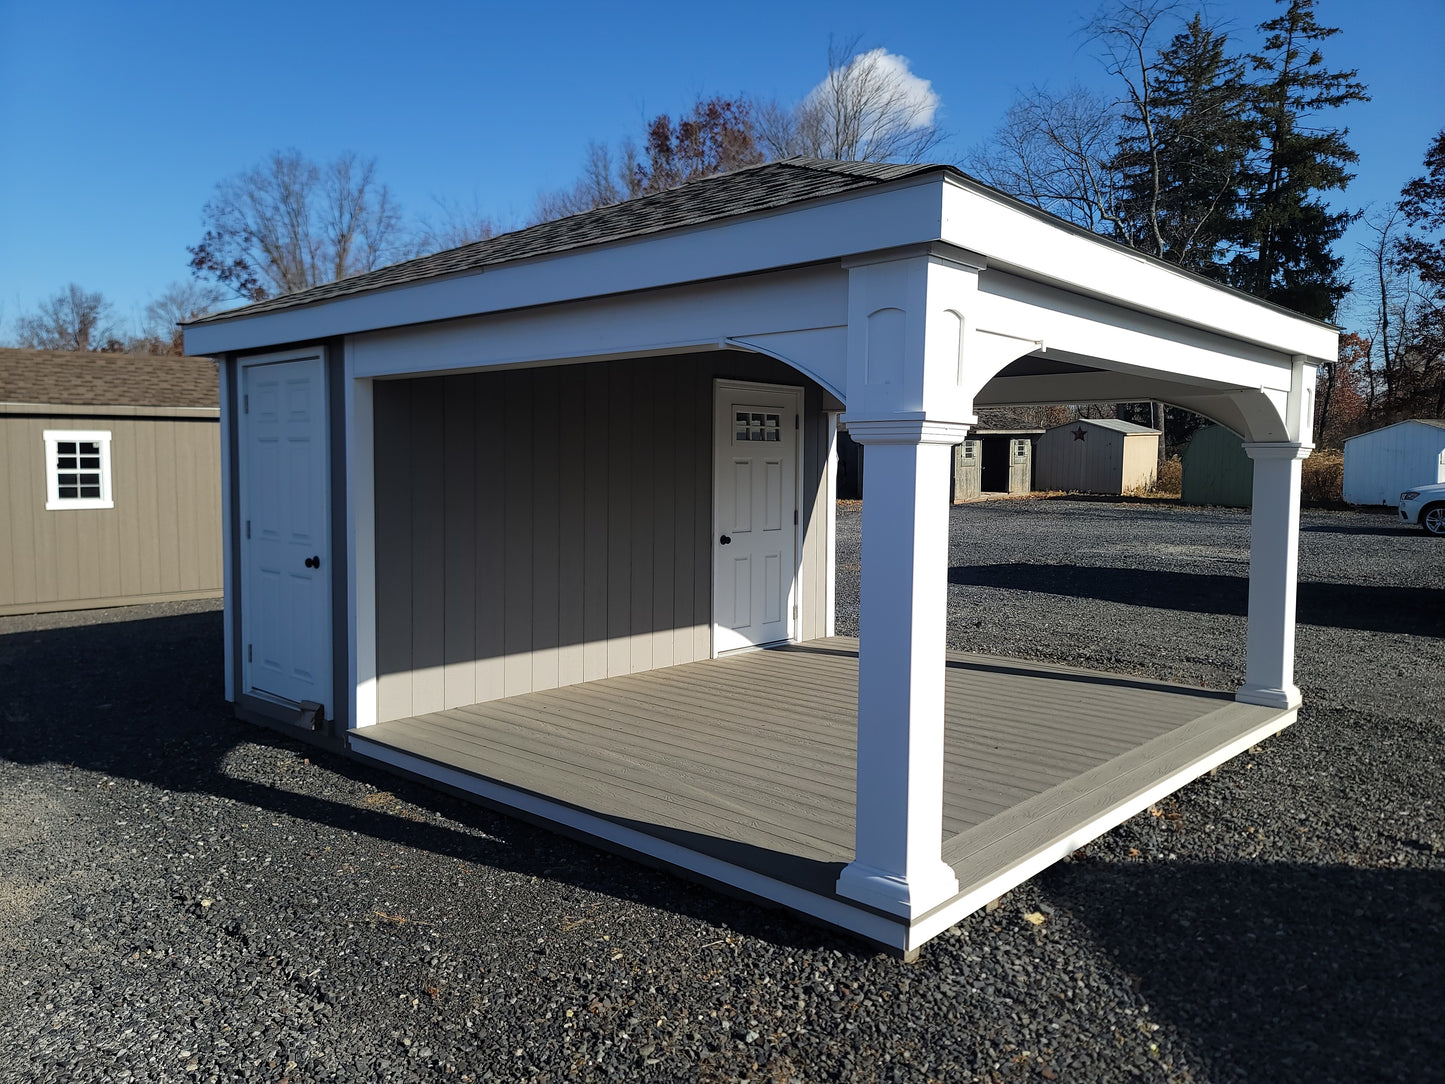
x: 1416, y: 611
x: 144, y: 700
x: 1383, y: 526
x: 1278, y: 972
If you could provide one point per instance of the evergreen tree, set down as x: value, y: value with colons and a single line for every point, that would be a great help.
x: 1188, y: 140
x: 1287, y: 233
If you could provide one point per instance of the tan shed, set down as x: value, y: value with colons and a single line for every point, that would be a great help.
x: 110, y: 471
x: 1097, y: 455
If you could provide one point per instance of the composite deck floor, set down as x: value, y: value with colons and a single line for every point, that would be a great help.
x: 750, y: 758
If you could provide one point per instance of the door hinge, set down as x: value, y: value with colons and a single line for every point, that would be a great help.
x: 795, y: 611
x: 795, y: 517
x: 795, y: 421
x: 250, y: 652
x: 245, y: 404
x: 248, y: 528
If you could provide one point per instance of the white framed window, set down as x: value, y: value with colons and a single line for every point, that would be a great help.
x: 1020, y: 450
x: 77, y: 469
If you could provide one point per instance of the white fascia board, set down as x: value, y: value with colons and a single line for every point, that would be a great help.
x: 1013, y: 237
x: 1123, y: 338
x: 812, y: 232
x: 679, y: 319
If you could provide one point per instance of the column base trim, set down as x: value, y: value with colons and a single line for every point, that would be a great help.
x: 1270, y: 697
x: 907, y: 897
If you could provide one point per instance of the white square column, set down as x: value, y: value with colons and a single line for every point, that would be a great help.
x: 1273, y: 574
x: 898, y: 863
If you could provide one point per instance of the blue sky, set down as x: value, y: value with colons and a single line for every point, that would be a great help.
x: 117, y: 120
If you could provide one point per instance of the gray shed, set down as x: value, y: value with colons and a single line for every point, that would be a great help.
x: 546, y: 493
x: 1216, y: 469
x: 1097, y: 455
x: 994, y: 461
x: 110, y: 488
x: 1381, y: 463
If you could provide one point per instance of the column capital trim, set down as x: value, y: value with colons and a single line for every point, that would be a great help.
x: 1281, y: 449
x: 907, y: 430
x: 935, y: 250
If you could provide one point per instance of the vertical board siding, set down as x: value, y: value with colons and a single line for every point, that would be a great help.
x: 546, y: 489
x: 491, y: 531
x: 162, y: 538
x: 428, y: 541
x: 596, y: 476
x: 516, y: 393
x: 543, y: 527
x: 459, y: 603
x: 391, y: 405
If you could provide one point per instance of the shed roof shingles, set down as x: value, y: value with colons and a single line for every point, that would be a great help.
x: 728, y: 195
x: 95, y: 379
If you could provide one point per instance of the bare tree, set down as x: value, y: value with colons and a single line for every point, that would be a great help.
x: 607, y: 178
x: 1056, y: 151
x: 72, y: 319
x: 870, y: 107
x: 454, y: 224
x: 179, y: 302
x: 290, y: 223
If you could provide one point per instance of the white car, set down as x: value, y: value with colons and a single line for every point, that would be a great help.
x: 1425, y: 505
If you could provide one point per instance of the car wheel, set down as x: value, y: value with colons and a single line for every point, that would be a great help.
x: 1433, y: 520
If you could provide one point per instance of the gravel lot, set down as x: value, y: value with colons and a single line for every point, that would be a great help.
x: 183, y: 897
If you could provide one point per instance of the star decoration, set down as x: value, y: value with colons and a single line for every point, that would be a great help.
x: 1080, y: 433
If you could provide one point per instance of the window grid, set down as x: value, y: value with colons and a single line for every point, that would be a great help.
x: 757, y: 426
x: 77, y: 469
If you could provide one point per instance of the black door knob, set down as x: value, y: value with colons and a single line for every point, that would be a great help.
x: 313, y: 562
x: 726, y: 539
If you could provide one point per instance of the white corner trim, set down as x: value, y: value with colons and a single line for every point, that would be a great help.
x: 228, y: 523
x: 830, y: 480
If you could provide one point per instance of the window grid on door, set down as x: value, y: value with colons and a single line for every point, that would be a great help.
x: 760, y: 426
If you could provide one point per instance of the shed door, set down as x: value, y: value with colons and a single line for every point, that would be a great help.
x: 285, y: 508
x: 755, y: 548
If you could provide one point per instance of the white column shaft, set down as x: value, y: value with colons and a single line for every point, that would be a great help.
x: 1273, y: 574
x: 898, y: 861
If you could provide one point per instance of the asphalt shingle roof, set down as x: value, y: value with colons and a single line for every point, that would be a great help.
x: 93, y: 379
x: 743, y: 191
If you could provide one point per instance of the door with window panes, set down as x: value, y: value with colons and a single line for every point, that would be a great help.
x: 754, y: 549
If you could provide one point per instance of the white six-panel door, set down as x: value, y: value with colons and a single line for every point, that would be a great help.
x: 285, y: 511
x: 755, y: 458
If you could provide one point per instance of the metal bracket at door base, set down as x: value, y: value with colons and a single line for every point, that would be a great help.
x: 311, y: 715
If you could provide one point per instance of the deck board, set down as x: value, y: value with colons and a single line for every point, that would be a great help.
x: 750, y: 758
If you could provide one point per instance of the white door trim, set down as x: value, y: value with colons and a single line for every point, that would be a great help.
x: 248, y: 612
x: 793, y: 605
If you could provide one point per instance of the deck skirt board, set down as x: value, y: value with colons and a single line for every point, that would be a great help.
x: 748, y: 762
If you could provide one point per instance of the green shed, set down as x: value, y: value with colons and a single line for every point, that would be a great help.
x: 1216, y: 469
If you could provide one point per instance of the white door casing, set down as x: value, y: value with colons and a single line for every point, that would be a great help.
x: 285, y: 530
x: 755, y: 511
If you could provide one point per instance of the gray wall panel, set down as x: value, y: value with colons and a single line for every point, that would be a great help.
x: 542, y: 527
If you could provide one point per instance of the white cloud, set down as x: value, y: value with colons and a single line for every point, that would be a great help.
x: 886, y: 76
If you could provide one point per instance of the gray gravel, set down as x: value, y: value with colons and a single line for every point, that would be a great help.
x: 183, y: 897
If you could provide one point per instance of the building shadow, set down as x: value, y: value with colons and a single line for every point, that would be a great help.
x: 1415, y: 611
x: 1278, y: 971
x: 144, y: 700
